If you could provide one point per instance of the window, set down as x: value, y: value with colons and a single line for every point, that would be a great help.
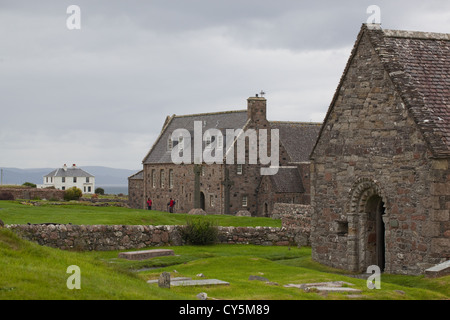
x: 87, y: 179
x: 74, y: 179
x: 211, y: 200
x: 170, y: 179
x: 63, y: 179
x: 239, y: 169
x: 180, y: 143
x: 162, y: 177
x: 219, y: 141
x: 208, y: 141
x: 46, y: 179
x: 154, y: 178
x: 63, y: 188
x: 244, y: 201
x: 89, y: 189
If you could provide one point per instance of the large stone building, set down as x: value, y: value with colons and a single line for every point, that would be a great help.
x: 380, y: 177
x: 229, y: 187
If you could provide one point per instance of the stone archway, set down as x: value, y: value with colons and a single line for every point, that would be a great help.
x: 202, y: 201
x: 366, y: 218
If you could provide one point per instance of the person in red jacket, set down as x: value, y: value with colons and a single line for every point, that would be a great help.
x: 171, y: 205
x: 149, y: 204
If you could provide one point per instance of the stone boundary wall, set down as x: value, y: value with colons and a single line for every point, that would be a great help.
x: 33, y: 193
x: 123, y: 237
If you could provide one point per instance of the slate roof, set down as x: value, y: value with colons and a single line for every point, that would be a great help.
x: 287, y: 180
x: 137, y: 176
x: 71, y: 172
x: 418, y: 64
x: 298, y: 138
x: 159, y: 152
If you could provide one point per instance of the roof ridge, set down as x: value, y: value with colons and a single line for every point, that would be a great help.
x: 296, y: 122
x: 423, y: 35
x: 208, y: 113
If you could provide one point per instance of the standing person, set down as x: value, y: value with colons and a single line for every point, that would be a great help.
x: 171, y: 204
x: 149, y: 204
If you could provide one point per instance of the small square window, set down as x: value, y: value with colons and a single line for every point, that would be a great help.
x: 244, y: 201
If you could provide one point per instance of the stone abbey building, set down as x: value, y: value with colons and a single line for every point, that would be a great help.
x: 380, y: 177
x: 376, y: 172
x: 224, y: 188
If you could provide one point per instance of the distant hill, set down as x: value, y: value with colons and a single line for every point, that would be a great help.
x: 104, y: 176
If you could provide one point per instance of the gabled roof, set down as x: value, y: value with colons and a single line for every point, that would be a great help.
x: 298, y: 138
x: 287, y: 180
x: 418, y: 64
x: 137, y: 176
x: 159, y: 152
x: 69, y: 172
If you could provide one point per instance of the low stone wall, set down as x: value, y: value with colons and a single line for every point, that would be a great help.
x: 282, y: 209
x: 122, y: 237
x: 34, y: 193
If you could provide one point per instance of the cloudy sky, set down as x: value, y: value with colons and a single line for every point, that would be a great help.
x: 99, y: 95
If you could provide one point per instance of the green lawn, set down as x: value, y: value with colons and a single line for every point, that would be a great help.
x: 14, y: 212
x: 30, y: 271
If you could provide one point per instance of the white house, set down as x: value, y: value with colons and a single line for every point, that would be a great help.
x: 65, y: 178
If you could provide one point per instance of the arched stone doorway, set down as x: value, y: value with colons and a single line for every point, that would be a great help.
x: 202, y: 200
x: 266, y: 210
x: 366, y: 226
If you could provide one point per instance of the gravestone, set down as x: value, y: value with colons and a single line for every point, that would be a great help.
x: 164, y: 280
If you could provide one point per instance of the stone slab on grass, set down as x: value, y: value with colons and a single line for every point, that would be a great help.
x: 203, y: 282
x: 145, y: 254
x: 438, y: 270
x: 171, y: 279
x: 333, y: 286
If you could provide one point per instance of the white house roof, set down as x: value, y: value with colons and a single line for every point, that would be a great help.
x: 69, y: 172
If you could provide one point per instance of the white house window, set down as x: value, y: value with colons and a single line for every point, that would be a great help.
x: 74, y: 179
x: 244, y: 201
x: 87, y: 179
x: 239, y: 169
x: 63, y: 179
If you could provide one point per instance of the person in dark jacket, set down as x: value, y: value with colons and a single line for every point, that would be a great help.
x: 149, y: 204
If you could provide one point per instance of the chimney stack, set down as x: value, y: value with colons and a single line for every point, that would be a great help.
x: 256, y: 109
x: 65, y: 167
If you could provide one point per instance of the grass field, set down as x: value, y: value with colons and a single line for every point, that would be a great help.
x: 14, y: 212
x: 30, y: 271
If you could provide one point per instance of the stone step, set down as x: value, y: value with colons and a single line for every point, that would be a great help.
x: 145, y: 254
